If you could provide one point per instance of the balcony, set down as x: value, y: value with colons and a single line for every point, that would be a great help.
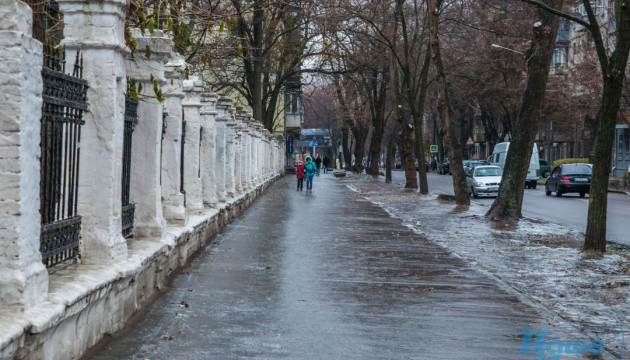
x: 293, y: 120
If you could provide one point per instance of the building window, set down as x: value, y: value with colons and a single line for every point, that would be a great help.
x: 563, y: 25
x: 559, y: 58
x: 293, y: 102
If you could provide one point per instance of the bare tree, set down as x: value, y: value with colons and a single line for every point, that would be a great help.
x: 510, y: 199
x: 444, y: 107
x: 613, y: 63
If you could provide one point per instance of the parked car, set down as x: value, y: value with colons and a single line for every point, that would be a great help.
x: 545, y: 169
x: 569, y: 178
x: 426, y: 166
x: 473, y: 164
x: 484, y: 180
x: 533, y: 172
x: 444, y: 167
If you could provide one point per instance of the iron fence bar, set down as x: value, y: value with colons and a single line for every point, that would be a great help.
x: 199, y: 157
x: 64, y: 101
x: 182, y: 157
x: 128, y: 209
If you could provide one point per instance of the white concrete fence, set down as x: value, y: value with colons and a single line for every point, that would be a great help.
x: 229, y: 159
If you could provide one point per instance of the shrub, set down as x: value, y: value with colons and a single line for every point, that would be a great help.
x: 570, y: 161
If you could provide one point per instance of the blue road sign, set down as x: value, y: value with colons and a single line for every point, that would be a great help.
x: 290, y: 145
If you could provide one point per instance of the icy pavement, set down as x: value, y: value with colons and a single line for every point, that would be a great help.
x: 539, y: 260
x: 331, y: 276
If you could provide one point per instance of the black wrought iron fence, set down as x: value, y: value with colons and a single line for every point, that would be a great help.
x: 64, y: 101
x: 128, y: 209
x: 181, y: 159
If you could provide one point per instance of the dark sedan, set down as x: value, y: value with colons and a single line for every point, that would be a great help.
x: 444, y: 167
x: 569, y: 178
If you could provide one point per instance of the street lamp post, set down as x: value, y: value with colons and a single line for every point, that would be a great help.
x: 508, y: 49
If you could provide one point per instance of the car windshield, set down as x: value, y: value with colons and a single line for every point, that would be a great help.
x: 576, y: 169
x: 488, y: 172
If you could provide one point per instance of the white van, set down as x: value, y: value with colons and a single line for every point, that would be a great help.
x: 533, y: 173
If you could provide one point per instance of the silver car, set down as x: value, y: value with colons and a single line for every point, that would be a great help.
x: 484, y: 180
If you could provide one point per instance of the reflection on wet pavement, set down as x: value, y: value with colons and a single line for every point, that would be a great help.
x: 327, y: 275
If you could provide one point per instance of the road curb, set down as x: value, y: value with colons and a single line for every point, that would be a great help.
x: 618, y: 191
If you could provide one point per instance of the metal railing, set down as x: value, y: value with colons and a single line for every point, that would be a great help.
x: 64, y: 101
x: 181, y: 159
x: 128, y: 209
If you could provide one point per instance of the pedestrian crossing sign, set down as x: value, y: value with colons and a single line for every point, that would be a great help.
x: 433, y: 149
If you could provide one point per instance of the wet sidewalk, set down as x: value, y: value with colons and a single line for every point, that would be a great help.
x: 325, y: 276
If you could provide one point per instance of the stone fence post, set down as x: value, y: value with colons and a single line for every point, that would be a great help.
x: 192, y: 182
x: 247, y: 146
x: 240, y: 150
x: 265, y: 167
x: 145, y: 188
x: 272, y: 156
x: 281, y: 155
x: 95, y: 27
x: 258, y: 153
x: 23, y: 278
x: 223, y: 105
x: 230, y: 155
x: 255, y: 139
x: 173, y: 198
x: 271, y: 146
x: 208, y: 149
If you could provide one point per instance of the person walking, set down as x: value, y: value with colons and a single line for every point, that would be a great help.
x: 310, y: 170
x: 326, y: 163
x: 318, y: 163
x: 299, y: 173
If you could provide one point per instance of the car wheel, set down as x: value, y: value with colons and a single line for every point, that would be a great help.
x: 534, y: 185
x: 547, y: 191
x: 558, y: 192
x: 474, y: 194
x: 582, y: 194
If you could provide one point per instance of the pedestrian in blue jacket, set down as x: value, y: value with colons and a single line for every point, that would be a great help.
x: 310, y: 170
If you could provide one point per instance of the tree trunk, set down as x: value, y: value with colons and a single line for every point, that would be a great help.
x: 347, y: 157
x: 390, y: 154
x: 406, y: 149
x: 613, y: 83
x: 375, y: 151
x: 510, y: 199
x: 417, y: 123
x: 360, y: 137
x: 257, y: 60
x: 359, y: 151
x: 445, y: 110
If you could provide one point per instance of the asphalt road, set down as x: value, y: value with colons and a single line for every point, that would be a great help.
x: 569, y: 210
